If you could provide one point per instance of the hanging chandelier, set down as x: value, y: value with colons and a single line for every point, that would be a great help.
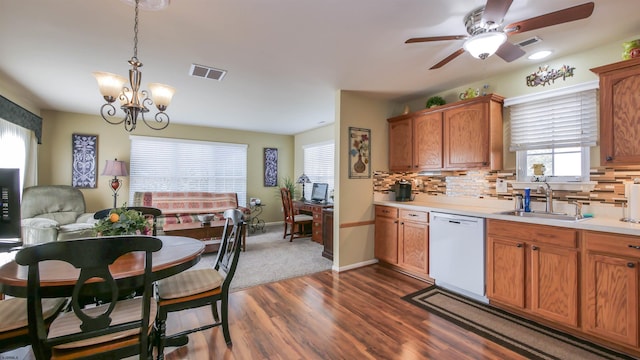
x: 133, y: 101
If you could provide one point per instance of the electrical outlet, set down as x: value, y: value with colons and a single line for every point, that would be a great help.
x: 501, y: 186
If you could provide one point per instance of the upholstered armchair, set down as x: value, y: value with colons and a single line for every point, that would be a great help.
x: 54, y: 213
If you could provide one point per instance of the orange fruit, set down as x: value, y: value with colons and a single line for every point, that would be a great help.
x: 114, y: 217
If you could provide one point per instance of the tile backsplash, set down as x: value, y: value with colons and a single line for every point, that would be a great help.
x: 482, y: 184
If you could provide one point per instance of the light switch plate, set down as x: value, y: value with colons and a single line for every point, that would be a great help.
x: 501, y: 186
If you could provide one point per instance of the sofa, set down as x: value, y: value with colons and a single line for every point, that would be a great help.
x: 184, y: 206
x: 54, y: 213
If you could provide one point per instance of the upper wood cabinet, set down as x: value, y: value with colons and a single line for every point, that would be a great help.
x: 619, y: 113
x: 463, y: 135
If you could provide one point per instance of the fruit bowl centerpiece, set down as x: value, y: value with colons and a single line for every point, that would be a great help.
x: 123, y: 221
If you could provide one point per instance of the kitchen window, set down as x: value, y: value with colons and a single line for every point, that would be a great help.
x: 556, y: 129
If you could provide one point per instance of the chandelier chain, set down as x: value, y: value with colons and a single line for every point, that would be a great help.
x: 135, y: 33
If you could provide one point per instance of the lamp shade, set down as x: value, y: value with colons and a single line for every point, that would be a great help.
x: 483, y: 45
x: 161, y: 95
x: 115, y: 168
x: 110, y: 84
x: 303, y: 179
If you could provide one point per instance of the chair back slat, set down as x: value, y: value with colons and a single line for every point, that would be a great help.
x: 230, y: 246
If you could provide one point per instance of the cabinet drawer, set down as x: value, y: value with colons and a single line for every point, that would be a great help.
x: 386, y: 211
x: 624, y: 245
x: 538, y: 233
x: 419, y: 216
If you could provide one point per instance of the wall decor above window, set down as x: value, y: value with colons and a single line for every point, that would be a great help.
x: 544, y: 76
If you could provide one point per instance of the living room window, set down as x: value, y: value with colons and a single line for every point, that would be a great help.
x: 556, y: 129
x: 22, y: 145
x: 318, y: 165
x: 163, y: 164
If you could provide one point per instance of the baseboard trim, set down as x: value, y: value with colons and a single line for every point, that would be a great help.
x: 355, y: 266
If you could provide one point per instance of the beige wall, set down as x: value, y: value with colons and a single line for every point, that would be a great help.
x: 54, y: 155
x: 354, y: 197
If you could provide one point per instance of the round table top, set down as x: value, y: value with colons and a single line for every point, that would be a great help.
x: 177, y: 254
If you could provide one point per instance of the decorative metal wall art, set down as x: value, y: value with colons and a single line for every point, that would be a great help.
x: 544, y: 76
x: 359, y: 153
x: 84, y: 161
x: 270, y: 167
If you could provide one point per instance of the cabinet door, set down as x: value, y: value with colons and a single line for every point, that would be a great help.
x: 505, y: 271
x: 554, y: 283
x: 427, y: 147
x: 611, y: 298
x: 466, y: 136
x: 414, y: 246
x: 619, y: 122
x: 386, y: 239
x: 400, y: 145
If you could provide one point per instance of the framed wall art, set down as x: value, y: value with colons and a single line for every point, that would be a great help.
x: 359, y: 153
x: 270, y: 167
x: 84, y: 162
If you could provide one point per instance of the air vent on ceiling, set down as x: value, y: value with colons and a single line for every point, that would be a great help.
x: 530, y: 41
x: 207, y: 72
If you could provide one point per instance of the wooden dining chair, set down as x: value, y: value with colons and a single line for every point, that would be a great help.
x: 208, y: 286
x: 117, y: 329
x: 292, y: 218
x: 14, y: 330
x: 150, y: 212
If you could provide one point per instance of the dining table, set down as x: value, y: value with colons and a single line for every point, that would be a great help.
x: 177, y: 254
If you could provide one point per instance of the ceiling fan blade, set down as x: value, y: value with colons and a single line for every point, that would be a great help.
x: 436, y: 38
x: 447, y: 59
x: 495, y: 10
x: 509, y: 52
x: 557, y: 17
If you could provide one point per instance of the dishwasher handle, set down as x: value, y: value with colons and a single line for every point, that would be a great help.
x: 455, y: 219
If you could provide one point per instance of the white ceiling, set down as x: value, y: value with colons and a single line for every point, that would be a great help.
x: 285, y: 58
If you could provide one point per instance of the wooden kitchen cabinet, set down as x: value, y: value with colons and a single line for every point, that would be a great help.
x: 462, y: 135
x: 619, y: 113
x: 402, y: 239
x: 534, y: 268
x: 611, y: 274
x: 386, y: 234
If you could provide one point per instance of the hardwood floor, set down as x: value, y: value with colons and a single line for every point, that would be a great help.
x: 357, y: 314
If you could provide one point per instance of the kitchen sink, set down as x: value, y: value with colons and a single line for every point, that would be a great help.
x: 542, y: 215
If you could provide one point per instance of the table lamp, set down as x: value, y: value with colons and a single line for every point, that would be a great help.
x: 115, y: 168
x: 303, y: 179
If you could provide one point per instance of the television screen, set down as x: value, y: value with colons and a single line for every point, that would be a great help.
x: 9, y: 205
x: 319, y: 192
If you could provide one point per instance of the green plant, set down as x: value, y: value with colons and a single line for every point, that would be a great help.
x: 435, y: 101
x: 287, y: 182
x: 123, y: 221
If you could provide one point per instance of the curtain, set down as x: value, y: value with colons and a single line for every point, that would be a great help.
x: 19, y: 149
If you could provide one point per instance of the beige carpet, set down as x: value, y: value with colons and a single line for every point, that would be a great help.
x: 270, y: 258
x: 525, y: 337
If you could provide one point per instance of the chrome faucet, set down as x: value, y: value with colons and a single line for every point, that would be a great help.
x: 548, y: 193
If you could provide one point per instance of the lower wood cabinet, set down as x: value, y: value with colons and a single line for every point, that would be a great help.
x: 611, y: 274
x: 402, y: 239
x: 534, y: 268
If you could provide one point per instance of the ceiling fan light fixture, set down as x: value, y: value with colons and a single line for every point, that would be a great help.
x: 483, y: 45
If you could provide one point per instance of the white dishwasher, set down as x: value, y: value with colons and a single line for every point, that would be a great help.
x: 456, y: 253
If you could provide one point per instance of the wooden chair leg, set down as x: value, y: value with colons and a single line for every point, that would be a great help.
x: 161, y: 327
x: 214, y: 311
x: 225, y: 319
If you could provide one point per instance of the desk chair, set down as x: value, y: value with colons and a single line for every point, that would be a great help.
x: 118, y: 329
x: 196, y: 288
x: 291, y: 217
x: 150, y: 212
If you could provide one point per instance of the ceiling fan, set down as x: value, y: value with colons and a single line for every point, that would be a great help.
x: 487, y: 35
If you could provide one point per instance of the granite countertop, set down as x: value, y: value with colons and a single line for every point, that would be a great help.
x: 470, y: 207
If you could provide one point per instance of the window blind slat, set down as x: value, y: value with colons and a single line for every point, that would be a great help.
x: 318, y: 165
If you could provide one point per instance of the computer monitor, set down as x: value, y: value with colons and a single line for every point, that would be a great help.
x: 9, y: 206
x: 319, y: 192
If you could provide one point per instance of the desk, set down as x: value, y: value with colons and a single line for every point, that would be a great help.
x: 177, y: 254
x: 315, y: 210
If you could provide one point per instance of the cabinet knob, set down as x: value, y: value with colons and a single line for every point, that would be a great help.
x: 609, y: 158
x: 519, y: 245
x: 634, y: 246
x: 485, y: 163
x: 631, y: 265
x: 534, y: 248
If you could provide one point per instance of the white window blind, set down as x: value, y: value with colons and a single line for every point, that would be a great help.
x: 318, y: 165
x: 563, y: 120
x: 162, y: 164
